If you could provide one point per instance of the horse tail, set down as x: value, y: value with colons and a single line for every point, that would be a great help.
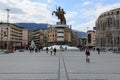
x: 53, y: 12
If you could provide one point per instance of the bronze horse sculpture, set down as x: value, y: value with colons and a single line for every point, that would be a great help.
x: 60, y: 14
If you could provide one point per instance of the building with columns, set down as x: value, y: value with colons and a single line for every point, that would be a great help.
x: 108, y: 30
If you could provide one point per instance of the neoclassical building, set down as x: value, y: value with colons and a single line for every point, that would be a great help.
x: 108, y: 29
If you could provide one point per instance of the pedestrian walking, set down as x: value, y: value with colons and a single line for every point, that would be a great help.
x: 11, y: 49
x: 46, y: 49
x: 87, y: 53
x: 30, y: 49
x: 65, y: 48
x: 55, y: 51
x: 36, y: 49
x: 51, y: 50
x: 98, y: 50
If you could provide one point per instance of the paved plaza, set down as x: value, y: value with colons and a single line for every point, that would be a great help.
x: 65, y: 65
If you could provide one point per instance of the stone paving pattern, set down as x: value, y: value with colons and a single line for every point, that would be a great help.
x: 65, y: 65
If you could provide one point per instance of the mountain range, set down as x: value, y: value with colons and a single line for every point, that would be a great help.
x: 80, y: 33
x: 33, y: 26
x: 43, y: 26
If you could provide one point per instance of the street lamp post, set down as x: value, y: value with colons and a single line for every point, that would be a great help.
x: 7, y: 25
x: 113, y: 46
x: 87, y: 37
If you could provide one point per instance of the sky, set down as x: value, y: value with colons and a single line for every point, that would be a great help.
x: 80, y: 14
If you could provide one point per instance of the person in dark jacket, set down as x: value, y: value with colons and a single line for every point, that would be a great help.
x: 98, y: 50
x: 36, y: 49
x: 87, y: 53
x: 46, y: 49
x: 55, y: 51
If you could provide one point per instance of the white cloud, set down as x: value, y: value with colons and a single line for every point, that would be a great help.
x: 71, y: 22
x: 50, y: 1
x: 101, y: 8
x: 26, y: 11
x: 70, y: 14
x: 87, y: 3
x: 87, y: 14
x: 97, y: 10
x: 92, y: 15
x: 84, y: 26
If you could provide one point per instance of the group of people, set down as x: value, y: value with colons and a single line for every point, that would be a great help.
x: 54, y: 50
x: 51, y: 50
x: 34, y: 49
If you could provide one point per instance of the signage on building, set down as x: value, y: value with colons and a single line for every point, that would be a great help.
x: 5, y: 32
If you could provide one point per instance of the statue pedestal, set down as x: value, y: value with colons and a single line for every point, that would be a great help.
x: 63, y: 34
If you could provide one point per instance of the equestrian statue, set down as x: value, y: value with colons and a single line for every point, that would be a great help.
x: 60, y: 14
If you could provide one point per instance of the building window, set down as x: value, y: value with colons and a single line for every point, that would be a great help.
x: 112, y: 12
x: 117, y: 21
x: 89, y: 38
x: 109, y: 21
x: 118, y: 12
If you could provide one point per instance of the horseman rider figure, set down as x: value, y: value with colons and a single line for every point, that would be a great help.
x: 60, y: 14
